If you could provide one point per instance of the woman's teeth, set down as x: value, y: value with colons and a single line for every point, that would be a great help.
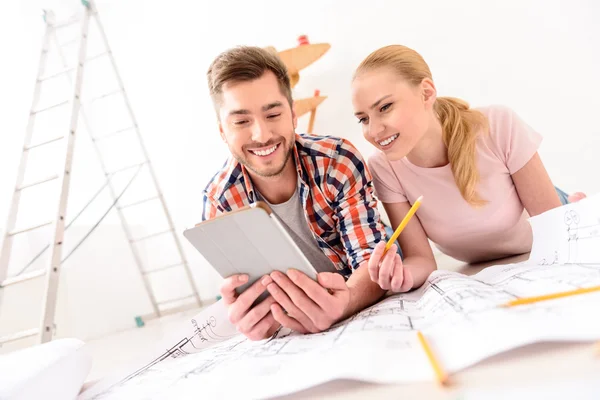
x: 265, y: 152
x: 389, y: 140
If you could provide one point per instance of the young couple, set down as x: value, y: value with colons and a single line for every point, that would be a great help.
x: 478, y: 170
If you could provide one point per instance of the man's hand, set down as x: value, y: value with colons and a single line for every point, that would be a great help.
x: 255, y: 323
x: 309, y: 306
x: 389, y: 273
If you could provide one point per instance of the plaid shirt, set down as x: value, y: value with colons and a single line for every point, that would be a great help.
x: 336, y: 191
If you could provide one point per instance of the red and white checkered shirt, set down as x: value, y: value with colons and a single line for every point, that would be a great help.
x: 336, y: 191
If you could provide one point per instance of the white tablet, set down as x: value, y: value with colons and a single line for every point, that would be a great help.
x: 249, y: 241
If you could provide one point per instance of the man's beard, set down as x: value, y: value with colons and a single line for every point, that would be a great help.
x: 241, y: 158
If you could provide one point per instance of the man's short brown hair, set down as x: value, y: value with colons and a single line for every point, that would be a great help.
x: 246, y: 63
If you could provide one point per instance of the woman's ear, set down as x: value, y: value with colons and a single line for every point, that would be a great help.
x: 428, y: 91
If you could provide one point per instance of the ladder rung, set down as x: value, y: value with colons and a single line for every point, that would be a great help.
x: 114, y: 133
x: 103, y: 96
x: 13, y: 233
x: 33, y: 146
x: 68, y: 42
x: 162, y: 268
x: 126, y: 168
x: 138, y: 202
x: 69, y: 69
x: 22, y: 278
x: 69, y: 22
x: 177, y: 299
x: 50, y: 178
x: 152, y: 235
x: 92, y: 58
x: 19, y: 335
x: 50, y: 107
x: 54, y: 75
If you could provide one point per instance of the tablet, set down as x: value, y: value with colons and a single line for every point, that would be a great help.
x: 250, y: 240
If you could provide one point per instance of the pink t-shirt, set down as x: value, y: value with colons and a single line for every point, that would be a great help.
x: 499, y: 228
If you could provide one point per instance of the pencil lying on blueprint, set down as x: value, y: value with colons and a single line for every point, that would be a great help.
x: 403, y: 224
x: 552, y: 296
x: 440, y: 374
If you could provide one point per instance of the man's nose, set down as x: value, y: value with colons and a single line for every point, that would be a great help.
x: 260, y: 131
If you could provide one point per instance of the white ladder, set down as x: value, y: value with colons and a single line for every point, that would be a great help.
x: 52, y: 269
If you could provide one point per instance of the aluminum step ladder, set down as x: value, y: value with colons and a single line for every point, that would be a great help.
x: 53, y: 268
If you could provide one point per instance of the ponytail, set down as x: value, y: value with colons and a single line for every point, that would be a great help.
x: 460, y: 126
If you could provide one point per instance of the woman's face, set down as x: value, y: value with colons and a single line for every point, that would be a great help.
x: 394, y: 113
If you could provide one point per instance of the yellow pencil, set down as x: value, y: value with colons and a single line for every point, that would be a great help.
x: 529, y: 300
x: 403, y: 224
x: 441, y: 376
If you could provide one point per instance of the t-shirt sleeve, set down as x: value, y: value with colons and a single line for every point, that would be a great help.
x: 387, y: 187
x: 516, y: 141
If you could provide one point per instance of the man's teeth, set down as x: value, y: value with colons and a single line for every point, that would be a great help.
x: 389, y: 140
x: 265, y: 152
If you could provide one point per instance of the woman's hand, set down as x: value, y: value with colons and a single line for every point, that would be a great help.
x: 389, y: 272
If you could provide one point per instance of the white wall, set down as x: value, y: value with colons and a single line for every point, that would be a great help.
x: 539, y: 57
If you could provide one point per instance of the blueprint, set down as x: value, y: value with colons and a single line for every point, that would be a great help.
x: 463, y: 318
x: 569, y: 234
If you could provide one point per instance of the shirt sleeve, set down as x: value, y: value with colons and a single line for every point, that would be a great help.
x: 356, y: 212
x: 387, y: 187
x: 516, y: 141
x: 209, y: 211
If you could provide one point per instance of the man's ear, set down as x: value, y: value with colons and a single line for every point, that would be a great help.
x: 221, y: 132
x: 294, y: 117
x: 429, y: 91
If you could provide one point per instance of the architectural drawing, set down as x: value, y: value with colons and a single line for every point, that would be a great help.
x: 206, y: 329
x: 448, y: 302
x: 572, y: 221
x: 552, y: 261
x: 464, y: 318
x: 584, y: 238
x: 567, y: 235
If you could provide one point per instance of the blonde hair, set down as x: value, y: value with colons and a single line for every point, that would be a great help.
x: 460, y: 124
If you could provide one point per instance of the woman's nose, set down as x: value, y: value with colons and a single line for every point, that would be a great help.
x: 375, y: 128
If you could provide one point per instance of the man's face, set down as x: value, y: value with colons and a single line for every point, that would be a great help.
x: 258, y: 124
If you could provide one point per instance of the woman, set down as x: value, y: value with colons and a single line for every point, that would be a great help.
x: 478, y: 169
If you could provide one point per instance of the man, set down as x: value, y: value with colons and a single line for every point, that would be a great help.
x: 319, y: 187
